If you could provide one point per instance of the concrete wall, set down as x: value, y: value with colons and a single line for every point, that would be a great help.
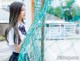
x: 2, y: 28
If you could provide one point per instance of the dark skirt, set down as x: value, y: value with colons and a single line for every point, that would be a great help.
x: 14, y: 56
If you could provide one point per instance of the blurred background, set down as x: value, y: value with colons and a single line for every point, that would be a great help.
x: 62, y: 16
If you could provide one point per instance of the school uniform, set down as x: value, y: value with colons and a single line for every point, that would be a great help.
x: 22, y: 33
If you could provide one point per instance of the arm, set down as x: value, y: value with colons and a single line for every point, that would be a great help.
x: 17, y: 47
x: 11, y: 41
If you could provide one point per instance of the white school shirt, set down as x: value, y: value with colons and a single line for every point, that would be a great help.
x: 11, y: 37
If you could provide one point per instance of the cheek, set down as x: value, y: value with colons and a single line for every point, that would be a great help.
x: 23, y: 14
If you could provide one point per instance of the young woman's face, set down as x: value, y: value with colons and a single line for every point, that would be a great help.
x: 23, y: 13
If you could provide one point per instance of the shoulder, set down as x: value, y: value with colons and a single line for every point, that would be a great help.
x: 11, y: 30
x: 11, y: 37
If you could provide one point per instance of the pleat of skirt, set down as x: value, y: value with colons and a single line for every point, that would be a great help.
x: 14, y: 56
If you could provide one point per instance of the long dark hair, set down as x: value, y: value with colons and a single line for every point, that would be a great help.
x: 15, y: 9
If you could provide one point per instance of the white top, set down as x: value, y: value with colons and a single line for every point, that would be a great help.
x: 11, y: 37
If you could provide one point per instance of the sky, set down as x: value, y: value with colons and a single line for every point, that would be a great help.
x: 57, y: 3
x: 78, y: 2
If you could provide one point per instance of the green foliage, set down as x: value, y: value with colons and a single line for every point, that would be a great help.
x: 2, y: 38
x: 54, y: 11
x: 68, y: 15
x: 69, y: 3
x: 50, y: 10
x: 58, y: 12
x: 69, y: 12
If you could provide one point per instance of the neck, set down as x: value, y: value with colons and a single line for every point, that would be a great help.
x: 19, y: 21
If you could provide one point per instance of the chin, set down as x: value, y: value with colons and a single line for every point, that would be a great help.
x: 24, y: 18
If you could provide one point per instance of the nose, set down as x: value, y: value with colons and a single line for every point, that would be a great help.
x: 24, y: 10
x: 24, y: 13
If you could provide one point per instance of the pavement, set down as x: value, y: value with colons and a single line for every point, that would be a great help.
x: 5, y: 51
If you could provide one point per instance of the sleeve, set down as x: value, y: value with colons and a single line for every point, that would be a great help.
x: 11, y: 37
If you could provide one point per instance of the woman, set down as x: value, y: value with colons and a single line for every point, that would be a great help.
x: 16, y: 32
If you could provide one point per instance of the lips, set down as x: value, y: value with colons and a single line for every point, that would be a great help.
x: 24, y: 15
